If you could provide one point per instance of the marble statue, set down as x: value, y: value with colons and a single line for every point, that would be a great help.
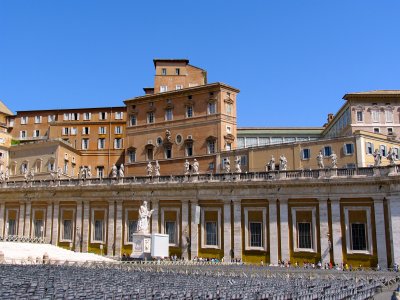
x: 121, y: 171
x: 157, y: 169
x: 144, y: 217
x: 391, y: 157
x: 149, y: 169
x: 377, y: 158
x: 89, y: 172
x: 7, y: 174
x: 31, y: 175
x: 114, y: 171
x: 320, y: 160
x: 195, y: 167
x: 59, y: 173
x: 333, y: 158
x: 238, y: 169
x: 271, y: 164
x: 168, y: 135
x: 26, y: 174
x: 283, y: 163
x: 2, y: 176
x: 227, y: 165
x: 82, y: 172
x: 186, y: 167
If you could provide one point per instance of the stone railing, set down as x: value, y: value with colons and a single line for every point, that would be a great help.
x: 221, y: 177
x: 22, y: 239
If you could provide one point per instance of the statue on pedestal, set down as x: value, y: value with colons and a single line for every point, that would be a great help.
x: 320, y: 160
x: 149, y: 169
x: 282, y: 163
x: 271, y: 164
x: 121, y: 170
x: 157, y: 169
x: 391, y: 157
x: 227, y: 166
x: 186, y: 167
x: 168, y: 135
x: 144, y: 217
x: 88, y: 172
x: 59, y: 173
x: 114, y: 171
x: 377, y: 158
x: 238, y: 169
x: 333, y: 158
x: 195, y: 167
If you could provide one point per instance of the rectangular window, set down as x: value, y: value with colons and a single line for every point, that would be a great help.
x: 36, y: 133
x: 168, y: 114
x: 251, y: 142
x: 383, y: 150
x: 67, y: 230
x: 163, y: 88
x: 305, y: 154
x: 131, y: 156
x: 101, y: 143
x: 375, y: 116
x: 370, y: 148
x: 228, y: 147
x: 358, y: 237
x: 74, y: 116
x: 133, y: 120
x: 168, y: 152
x: 65, y: 167
x: 65, y: 131
x: 150, y: 117
x: 396, y: 152
x: 51, y: 118
x: 98, y: 230
x: 118, y: 130
x: 73, y: 130
x: 38, y: 228
x: 360, y: 116
x: 87, y: 116
x: 389, y: 116
x: 327, y: 151
x: 118, y: 143
x: 132, y: 228
x: 85, y: 130
x: 211, y: 234
x: 149, y: 154
x: 256, y: 234
x: 376, y: 130
x: 304, y: 235
x: 24, y: 120
x: 66, y: 116
x: 102, y: 115
x: 212, y: 108
x: 229, y: 108
x: 243, y: 160
x: 100, y: 171
x: 189, y: 149
x: 170, y: 229
x: 119, y: 115
x: 211, y: 147
x: 38, y: 119
x: 178, y: 87
x: 163, y: 71
x: 85, y: 144
x: 102, y: 130
x: 348, y: 149
x: 189, y: 111
x: 177, y: 71
x: 12, y: 227
x: 390, y: 131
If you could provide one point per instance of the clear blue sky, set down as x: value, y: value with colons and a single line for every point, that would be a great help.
x: 292, y: 60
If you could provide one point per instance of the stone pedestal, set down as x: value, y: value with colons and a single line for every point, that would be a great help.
x: 141, y: 246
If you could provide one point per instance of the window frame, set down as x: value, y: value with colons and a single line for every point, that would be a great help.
x: 295, y: 233
x: 104, y: 227
x: 264, y: 232
x: 62, y: 224
x: 368, y: 228
x: 303, y: 151
x: 151, y: 119
x: 218, y: 228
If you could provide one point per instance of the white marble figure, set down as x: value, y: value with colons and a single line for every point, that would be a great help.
x: 82, y: 172
x: 238, y: 169
x: 186, y: 167
x: 227, y: 165
x: 149, y: 169
x: 157, y: 169
x: 59, y: 173
x: 114, y: 171
x: 26, y: 174
x: 333, y: 158
x: 31, y: 175
x: 195, y: 166
x: 89, y: 172
x: 144, y: 217
x: 391, y: 157
x: 168, y: 135
x: 283, y: 163
x: 7, y: 174
x: 320, y: 160
x: 121, y: 171
x: 2, y: 176
x: 271, y: 164
x: 377, y: 158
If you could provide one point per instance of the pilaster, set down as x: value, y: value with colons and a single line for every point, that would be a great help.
x: 185, y: 229
x: 2, y: 219
x: 237, y: 228
x: 194, y: 230
x: 27, y: 223
x: 284, y: 224
x: 273, y: 232
x: 380, y: 232
x: 118, y: 229
x: 324, y: 231
x: 21, y: 219
x: 111, y: 227
x: 394, y: 218
x: 227, y: 230
x: 85, y: 227
x: 55, y: 224
x: 154, y: 216
x: 49, y: 216
x: 336, y: 231
x: 78, y: 227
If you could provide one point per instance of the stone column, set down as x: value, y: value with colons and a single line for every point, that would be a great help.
x: 324, y: 231
x: 27, y: 223
x: 380, y: 233
x: 336, y: 231
x: 49, y: 217
x: 154, y: 216
x: 237, y: 228
x: 55, y: 225
x: 273, y: 232
x: 194, y: 230
x: 185, y: 229
x: 21, y: 219
x: 118, y: 229
x: 2, y: 220
x: 85, y: 226
x: 111, y: 227
x: 284, y: 220
x: 227, y: 230
x: 78, y: 226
